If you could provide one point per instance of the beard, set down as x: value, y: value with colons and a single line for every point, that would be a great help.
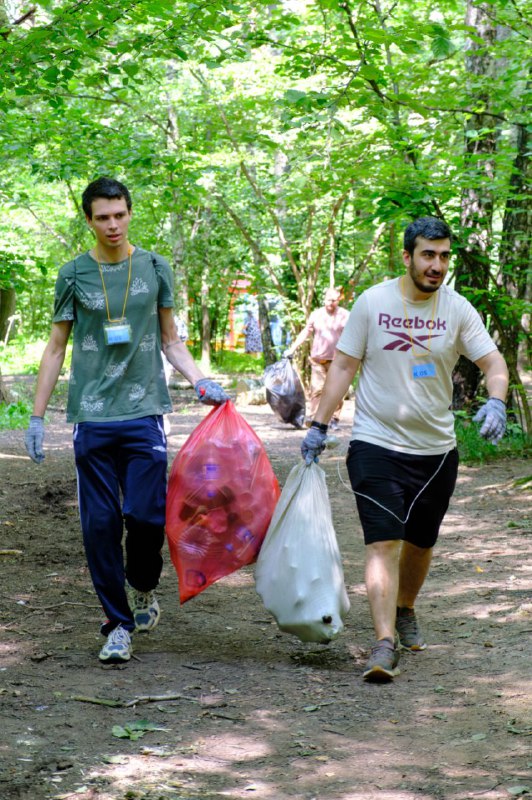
x: 417, y: 279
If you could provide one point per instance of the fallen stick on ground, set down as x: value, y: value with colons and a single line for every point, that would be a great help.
x: 136, y: 700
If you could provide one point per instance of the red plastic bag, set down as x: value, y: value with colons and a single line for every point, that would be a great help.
x: 222, y: 493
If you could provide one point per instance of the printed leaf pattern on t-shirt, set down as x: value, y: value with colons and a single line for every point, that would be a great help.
x: 94, y: 301
x: 89, y: 343
x: 91, y: 404
x: 137, y: 392
x: 147, y: 343
x: 116, y: 370
x: 139, y: 287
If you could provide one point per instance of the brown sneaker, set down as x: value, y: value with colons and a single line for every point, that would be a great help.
x: 408, y: 630
x: 382, y: 663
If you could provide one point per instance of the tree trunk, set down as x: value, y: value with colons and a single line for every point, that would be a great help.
x: 515, y: 257
x: 205, y: 361
x: 472, y: 269
x: 270, y: 356
x: 8, y: 301
x: 5, y: 396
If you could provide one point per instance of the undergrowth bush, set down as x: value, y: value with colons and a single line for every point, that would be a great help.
x: 14, y: 415
x: 473, y: 449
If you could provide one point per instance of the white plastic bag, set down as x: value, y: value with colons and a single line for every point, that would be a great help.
x: 299, y: 573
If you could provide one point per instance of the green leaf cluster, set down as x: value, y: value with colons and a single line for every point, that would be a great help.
x: 134, y: 730
x: 287, y: 145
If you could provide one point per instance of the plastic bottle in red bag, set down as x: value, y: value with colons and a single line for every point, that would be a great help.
x: 221, y: 496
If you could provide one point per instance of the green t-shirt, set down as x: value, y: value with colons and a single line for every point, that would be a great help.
x: 119, y: 381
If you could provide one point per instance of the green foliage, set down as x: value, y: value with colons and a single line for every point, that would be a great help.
x: 135, y: 730
x: 473, y: 449
x: 238, y: 126
x: 234, y: 363
x: 15, y: 270
x: 14, y: 415
x: 22, y: 356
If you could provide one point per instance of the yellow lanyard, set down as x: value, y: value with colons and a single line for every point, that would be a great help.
x: 409, y: 327
x: 130, y: 251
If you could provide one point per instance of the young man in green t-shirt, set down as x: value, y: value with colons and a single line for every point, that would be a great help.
x: 117, y: 301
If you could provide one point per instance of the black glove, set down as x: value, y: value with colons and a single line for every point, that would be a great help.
x: 210, y: 393
x: 314, y: 443
x: 34, y: 438
x: 494, y: 415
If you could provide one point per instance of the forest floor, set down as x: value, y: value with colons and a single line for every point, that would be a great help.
x: 242, y: 710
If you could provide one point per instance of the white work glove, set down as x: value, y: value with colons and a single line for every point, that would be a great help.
x: 493, y: 413
x: 210, y: 393
x: 34, y: 438
x: 288, y: 354
x: 314, y: 443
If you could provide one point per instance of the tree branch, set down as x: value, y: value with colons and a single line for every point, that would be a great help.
x: 256, y: 189
x: 258, y: 255
x: 313, y: 278
x: 164, y: 127
x: 4, y: 34
x: 363, y: 265
x: 47, y: 227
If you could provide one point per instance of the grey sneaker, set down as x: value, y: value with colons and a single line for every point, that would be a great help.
x: 408, y: 631
x: 382, y: 663
x: 144, y: 607
x: 117, y: 648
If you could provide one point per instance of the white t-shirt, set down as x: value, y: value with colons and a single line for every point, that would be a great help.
x: 408, y: 351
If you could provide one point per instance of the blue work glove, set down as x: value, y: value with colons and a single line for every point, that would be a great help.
x: 313, y: 444
x: 493, y: 413
x: 210, y: 393
x: 34, y: 438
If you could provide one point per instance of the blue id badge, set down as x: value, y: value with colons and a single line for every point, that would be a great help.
x: 117, y: 332
x: 427, y: 370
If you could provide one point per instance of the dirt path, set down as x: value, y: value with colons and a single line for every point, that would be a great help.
x: 254, y: 712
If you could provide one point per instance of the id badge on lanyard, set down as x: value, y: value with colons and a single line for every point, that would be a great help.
x: 423, y: 370
x: 117, y: 332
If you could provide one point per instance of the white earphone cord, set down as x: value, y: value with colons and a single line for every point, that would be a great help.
x: 372, y: 499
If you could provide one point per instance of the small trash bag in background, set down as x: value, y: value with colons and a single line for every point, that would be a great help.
x: 285, y: 393
x: 222, y: 492
x: 299, y: 573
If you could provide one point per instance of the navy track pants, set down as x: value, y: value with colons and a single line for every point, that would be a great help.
x: 122, y: 468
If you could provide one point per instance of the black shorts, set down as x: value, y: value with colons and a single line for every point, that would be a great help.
x: 394, y: 480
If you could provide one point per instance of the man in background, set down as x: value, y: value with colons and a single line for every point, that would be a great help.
x: 325, y: 325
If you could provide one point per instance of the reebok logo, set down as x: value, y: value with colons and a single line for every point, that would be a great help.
x: 414, y: 323
x: 403, y: 341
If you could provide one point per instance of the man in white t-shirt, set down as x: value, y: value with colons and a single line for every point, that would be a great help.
x: 325, y: 325
x: 406, y: 335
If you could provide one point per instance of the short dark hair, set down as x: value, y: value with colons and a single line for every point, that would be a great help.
x: 428, y: 228
x: 104, y: 187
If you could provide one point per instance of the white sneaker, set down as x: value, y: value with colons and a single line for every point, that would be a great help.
x: 117, y: 647
x: 144, y: 607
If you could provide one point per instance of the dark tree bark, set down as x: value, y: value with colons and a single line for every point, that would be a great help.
x: 5, y: 396
x: 8, y: 301
x: 515, y: 262
x: 472, y: 269
x: 270, y: 356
